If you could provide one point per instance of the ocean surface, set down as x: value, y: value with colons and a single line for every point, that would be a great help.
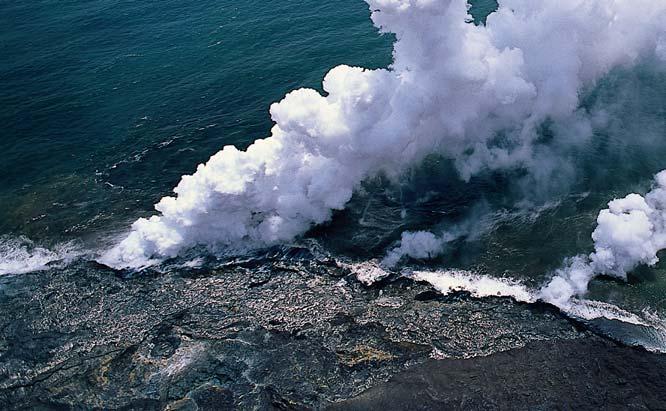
x: 105, y: 104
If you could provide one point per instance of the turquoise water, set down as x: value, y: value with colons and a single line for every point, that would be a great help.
x: 105, y: 104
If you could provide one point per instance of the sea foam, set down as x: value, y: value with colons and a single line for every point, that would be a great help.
x: 20, y: 255
x: 448, y: 281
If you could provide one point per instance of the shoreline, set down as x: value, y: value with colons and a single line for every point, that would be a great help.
x: 273, y: 333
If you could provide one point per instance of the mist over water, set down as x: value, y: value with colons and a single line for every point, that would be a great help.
x: 111, y: 104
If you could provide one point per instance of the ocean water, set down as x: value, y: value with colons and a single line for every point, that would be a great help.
x: 105, y: 104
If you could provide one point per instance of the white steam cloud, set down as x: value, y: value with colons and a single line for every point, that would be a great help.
x: 420, y: 245
x: 452, y: 89
x: 629, y: 233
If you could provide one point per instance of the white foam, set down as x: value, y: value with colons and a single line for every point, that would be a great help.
x: 481, y: 286
x: 592, y: 310
x: 448, y: 281
x: 20, y: 256
x: 367, y: 272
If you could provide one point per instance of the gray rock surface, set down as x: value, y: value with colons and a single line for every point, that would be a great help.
x: 289, y: 331
x: 583, y: 374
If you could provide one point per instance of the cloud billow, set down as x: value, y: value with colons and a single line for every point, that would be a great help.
x: 452, y: 89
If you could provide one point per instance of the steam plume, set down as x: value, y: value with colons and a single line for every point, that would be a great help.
x: 453, y: 88
x: 629, y: 233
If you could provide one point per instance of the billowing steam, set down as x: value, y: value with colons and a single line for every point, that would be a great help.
x: 473, y: 93
x: 629, y: 233
x: 421, y: 245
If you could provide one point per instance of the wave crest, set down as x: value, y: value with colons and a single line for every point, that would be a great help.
x: 21, y: 255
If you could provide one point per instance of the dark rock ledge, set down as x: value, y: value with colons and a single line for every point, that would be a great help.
x: 280, y: 333
x: 578, y: 374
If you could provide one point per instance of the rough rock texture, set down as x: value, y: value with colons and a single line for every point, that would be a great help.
x: 287, y: 331
x: 575, y: 375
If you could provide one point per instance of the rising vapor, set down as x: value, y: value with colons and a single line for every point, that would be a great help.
x: 452, y: 89
x: 629, y: 233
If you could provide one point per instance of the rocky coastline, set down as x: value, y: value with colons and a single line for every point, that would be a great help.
x: 293, y: 331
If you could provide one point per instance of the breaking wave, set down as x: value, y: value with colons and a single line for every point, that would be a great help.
x: 20, y: 255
